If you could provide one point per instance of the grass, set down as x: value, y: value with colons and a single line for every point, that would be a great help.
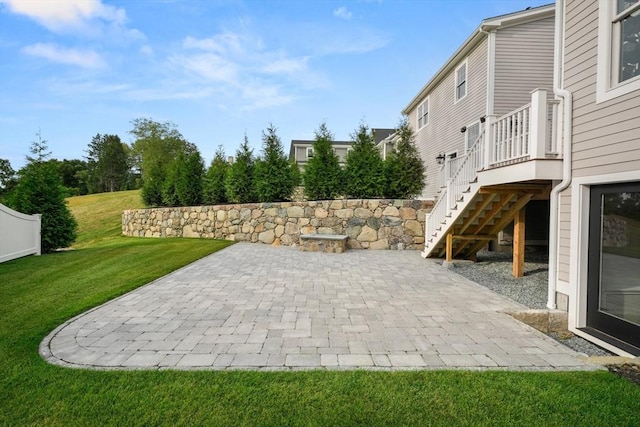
x: 39, y: 293
x: 99, y: 215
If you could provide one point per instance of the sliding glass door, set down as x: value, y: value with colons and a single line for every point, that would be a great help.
x: 613, y: 289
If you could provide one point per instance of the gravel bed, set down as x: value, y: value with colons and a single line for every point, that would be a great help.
x: 493, y: 270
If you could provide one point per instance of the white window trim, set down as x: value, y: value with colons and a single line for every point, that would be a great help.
x: 309, y: 151
x: 420, y: 110
x: 578, y: 253
x: 605, y: 90
x: 466, y: 134
x: 455, y: 81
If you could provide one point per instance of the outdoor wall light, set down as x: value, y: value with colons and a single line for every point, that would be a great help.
x: 483, y: 119
x: 464, y: 129
x: 440, y: 158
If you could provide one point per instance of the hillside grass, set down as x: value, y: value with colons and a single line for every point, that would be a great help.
x: 39, y: 293
x: 99, y: 216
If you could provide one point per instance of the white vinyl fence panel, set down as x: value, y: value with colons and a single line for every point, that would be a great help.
x: 19, y: 234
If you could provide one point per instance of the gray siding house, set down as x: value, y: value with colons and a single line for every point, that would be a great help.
x: 300, y: 151
x: 489, y: 109
x: 571, y: 140
x: 492, y: 73
x: 595, y: 274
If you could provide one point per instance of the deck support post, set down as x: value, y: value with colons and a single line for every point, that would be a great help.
x: 449, y: 250
x: 518, y: 244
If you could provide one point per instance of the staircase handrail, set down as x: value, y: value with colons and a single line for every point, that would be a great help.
x: 466, y: 172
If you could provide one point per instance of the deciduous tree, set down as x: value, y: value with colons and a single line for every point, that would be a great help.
x: 155, y: 148
x: 8, y: 178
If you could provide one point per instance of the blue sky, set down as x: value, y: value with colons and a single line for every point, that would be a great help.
x: 219, y: 68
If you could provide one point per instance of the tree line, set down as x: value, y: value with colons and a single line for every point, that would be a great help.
x: 173, y: 172
x: 170, y: 171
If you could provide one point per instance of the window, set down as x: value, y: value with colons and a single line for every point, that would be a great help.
x: 471, y: 135
x: 309, y: 152
x: 626, y: 37
x: 618, y: 49
x: 423, y: 114
x: 461, y: 81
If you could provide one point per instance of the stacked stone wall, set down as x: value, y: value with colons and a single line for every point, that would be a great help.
x: 370, y: 224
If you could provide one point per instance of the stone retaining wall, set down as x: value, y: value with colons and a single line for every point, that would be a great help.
x: 370, y: 224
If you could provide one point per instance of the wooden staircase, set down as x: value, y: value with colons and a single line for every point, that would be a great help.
x: 514, y: 159
x: 478, y: 216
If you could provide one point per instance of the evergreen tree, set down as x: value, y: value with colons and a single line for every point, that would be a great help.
x: 364, y: 170
x: 296, y: 175
x: 153, y: 184
x: 274, y: 179
x: 214, y: 189
x: 108, y: 164
x: 170, y: 183
x: 322, y: 174
x: 239, y: 182
x: 189, y: 183
x: 404, y: 169
x: 39, y: 191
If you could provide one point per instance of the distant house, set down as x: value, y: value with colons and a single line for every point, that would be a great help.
x: 301, y: 151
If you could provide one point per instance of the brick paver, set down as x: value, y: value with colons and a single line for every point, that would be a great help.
x: 253, y: 306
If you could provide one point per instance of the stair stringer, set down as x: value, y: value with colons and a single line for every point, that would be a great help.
x: 453, y: 215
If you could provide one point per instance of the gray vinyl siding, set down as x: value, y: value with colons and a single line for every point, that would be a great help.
x: 301, y: 154
x: 564, y: 233
x: 447, y: 117
x: 605, y: 135
x: 524, y: 62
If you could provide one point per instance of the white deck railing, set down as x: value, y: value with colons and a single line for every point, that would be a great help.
x: 527, y: 133
x: 19, y: 234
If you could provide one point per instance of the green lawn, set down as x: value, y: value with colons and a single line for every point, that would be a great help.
x: 39, y: 293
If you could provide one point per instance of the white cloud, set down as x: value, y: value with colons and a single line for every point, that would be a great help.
x: 260, y: 95
x: 89, y: 18
x: 342, y: 12
x: 207, y: 65
x: 146, y: 50
x: 286, y: 66
x: 54, y: 53
x: 61, y: 15
x: 239, y: 67
x: 356, y: 42
x: 225, y: 43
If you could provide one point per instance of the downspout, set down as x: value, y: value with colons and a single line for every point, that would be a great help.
x: 490, y: 69
x: 567, y: 122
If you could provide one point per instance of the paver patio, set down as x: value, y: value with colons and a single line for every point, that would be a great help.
x: 254, y: 306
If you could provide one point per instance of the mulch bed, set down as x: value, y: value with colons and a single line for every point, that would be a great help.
x: 627, y: 370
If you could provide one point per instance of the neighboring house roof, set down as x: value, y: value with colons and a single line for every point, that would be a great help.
x: 489, y: 24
